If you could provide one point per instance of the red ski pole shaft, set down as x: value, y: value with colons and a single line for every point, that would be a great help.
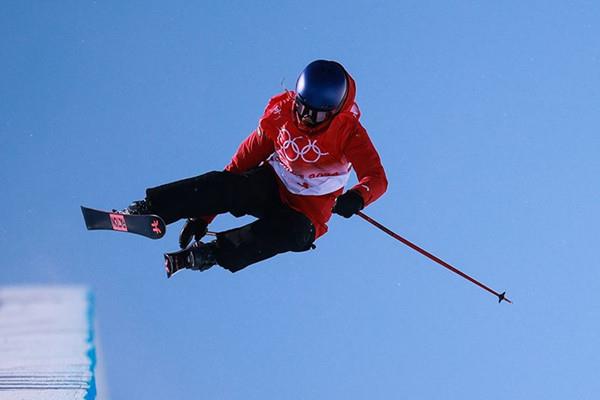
x: 501, y: 296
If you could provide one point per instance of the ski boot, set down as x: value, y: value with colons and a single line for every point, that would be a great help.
x: 138, y: 207
x: 198, y: 257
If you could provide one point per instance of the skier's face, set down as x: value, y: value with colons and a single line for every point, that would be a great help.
x: 310, y: 116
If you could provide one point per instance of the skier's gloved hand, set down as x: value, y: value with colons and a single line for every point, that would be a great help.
x: 348, y: 204
x: 193, y: 228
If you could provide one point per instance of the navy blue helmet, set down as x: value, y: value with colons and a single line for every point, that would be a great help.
x: 320, y: 91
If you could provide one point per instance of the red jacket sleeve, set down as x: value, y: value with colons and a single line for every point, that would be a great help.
x: 255, y: 149
x: 372, y: 182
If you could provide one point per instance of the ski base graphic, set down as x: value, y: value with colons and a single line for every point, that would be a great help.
x: 150, y: 226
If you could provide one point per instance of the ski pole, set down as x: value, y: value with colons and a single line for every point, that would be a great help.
x: 501, y: 296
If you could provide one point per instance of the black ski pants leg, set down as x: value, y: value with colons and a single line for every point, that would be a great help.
x: 254, y: 192
x: 278, y: 232
x: 278, y: 229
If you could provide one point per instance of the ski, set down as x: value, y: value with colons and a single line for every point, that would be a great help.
x: 177, y: 260
x: 150, y: 226
x: 197, y: 256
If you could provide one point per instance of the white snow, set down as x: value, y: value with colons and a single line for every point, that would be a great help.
x: 46, y: 343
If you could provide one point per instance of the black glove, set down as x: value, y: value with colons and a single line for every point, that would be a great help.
x: 348, y: 204
x: 193, y: 227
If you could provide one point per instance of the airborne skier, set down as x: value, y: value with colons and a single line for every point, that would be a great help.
x: 289, y: 173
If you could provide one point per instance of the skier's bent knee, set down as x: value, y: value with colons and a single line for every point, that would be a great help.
x: 303, y: 235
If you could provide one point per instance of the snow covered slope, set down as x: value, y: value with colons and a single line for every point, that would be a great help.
x: 47, y: 346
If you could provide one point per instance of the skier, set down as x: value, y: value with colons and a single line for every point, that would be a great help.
x: 289, y: 173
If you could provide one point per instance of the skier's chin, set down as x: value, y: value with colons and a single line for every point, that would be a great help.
x: 308, y: 122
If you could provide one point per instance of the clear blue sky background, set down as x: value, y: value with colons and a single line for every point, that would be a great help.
x: 486, y: 115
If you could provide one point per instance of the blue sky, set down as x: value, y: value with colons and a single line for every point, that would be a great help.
x: 486, y: 117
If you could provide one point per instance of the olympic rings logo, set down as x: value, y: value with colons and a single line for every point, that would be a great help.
x: 300, y: 147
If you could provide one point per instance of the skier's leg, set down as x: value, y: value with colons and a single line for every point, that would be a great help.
x: 252, y: 192
x: 280, y: 231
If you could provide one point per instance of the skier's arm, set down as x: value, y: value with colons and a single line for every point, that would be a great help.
x: 372, y: 182
x: 255, y: 149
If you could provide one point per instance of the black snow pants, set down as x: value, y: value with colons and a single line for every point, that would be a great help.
x: 278, y: 229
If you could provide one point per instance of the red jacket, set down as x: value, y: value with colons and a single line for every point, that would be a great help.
x: 313, y: 165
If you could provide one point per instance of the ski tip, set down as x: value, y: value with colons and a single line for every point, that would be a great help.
x: 167, y: 266
x: 158, y: 227
x: 502, y: 297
